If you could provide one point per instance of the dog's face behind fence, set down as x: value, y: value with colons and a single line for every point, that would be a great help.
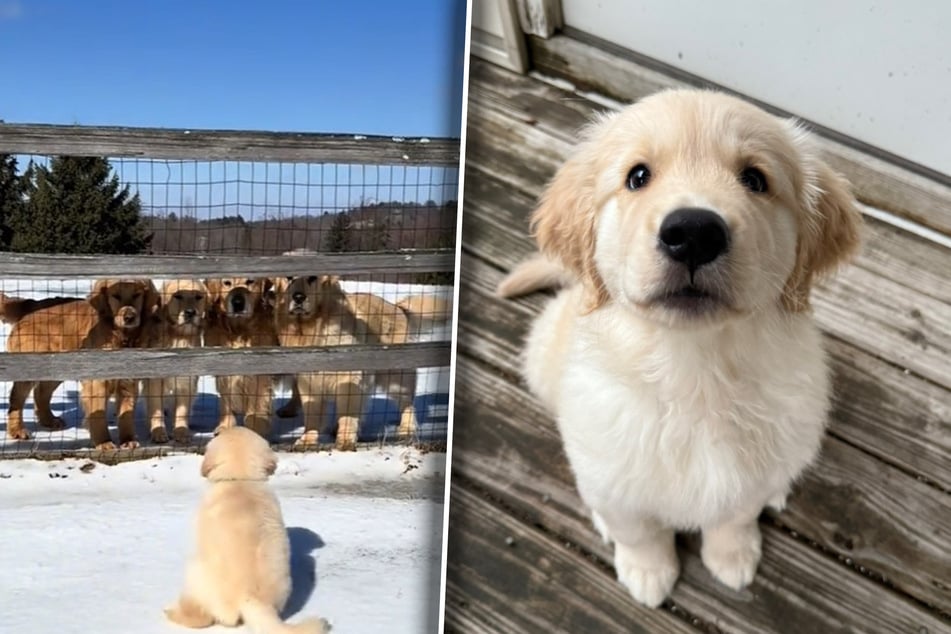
x: 237, y: 297
x: 185, y: 302
x: 695, y: 206
x: 303, y: 295
x: 124, y: 303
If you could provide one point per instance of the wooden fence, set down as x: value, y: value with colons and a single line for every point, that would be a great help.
x: 114, y: 142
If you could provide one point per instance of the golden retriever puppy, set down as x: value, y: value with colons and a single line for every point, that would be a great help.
x: 113, y: 316
x: 179, y: 324
x: 241, y: 318
x: 314, y: 311
x: 682, y: 363
x: 390, y: 324
x: 240, y: 571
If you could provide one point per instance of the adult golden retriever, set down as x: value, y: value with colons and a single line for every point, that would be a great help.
x: 240, y: 571
x: 240, y: 317
x: 682, y: 363
x: 386, y: 323
x: 178, y: 324
x: 113, y: 316
x: 13, y: 309
x: 314, y: 311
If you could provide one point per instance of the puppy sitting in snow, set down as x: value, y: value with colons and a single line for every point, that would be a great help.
x: 240, y: 571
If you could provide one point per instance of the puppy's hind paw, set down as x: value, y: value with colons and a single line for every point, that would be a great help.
x: 648, y: 576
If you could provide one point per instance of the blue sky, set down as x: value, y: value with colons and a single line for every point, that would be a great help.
x: 390, y: 67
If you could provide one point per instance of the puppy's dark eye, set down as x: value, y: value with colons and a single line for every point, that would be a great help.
x: 289, y: 278
x: 226, y: 283
x: 117, y: 296
x: 311, y: 279
x: 177, y: 297
x: 754, y: 180
x: 638, y: 177
x: 199, y: 297
x: 249, y: 282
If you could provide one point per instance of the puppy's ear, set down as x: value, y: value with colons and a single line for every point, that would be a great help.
x: 829, y: 236
x: 99, y: 299
x: 153, y: 299
x: 564, y: 222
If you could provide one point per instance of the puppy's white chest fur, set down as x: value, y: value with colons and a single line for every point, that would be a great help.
x: 686, y: 426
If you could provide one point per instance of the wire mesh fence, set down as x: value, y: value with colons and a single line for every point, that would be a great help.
x: 307, y: 299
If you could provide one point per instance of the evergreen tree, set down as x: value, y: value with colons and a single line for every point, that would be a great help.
x: 11, y: 198
x: 339, y: 236
x: 76, y: 206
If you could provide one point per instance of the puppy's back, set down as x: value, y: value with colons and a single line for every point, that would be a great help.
x: 242, y: 542
x: 56, y: 328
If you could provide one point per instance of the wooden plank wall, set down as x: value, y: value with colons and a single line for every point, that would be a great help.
x: 865, y: 543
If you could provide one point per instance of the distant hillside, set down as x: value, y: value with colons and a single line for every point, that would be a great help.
x: 374, y: 227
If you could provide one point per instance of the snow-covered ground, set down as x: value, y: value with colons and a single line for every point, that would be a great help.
x: 93, y: 548
x: 379, y: 422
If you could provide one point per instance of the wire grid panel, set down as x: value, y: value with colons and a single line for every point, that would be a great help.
x: 244, y: 208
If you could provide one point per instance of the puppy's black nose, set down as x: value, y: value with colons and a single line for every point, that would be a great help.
x: 299, y: 297
x: 694, y: 236
x: 189, y: 313
x: 129, y: 317
x: 237, y: 302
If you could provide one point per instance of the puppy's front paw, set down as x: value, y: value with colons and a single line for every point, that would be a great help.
x: 732, y: 557
x: 129, y: 444
x: 648, y: 572
x: 106, y: 446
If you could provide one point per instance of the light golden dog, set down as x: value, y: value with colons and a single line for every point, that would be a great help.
x: 240, y: 571
x: 178, y: 324
x: 113, y: 316
x: 389, y: 324
x: 682, y: 363
x: 240, y: 317
x: 314, y: 311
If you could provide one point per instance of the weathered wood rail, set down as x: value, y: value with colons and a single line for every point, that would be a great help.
x: 230, y: 145
x: 865, y: 542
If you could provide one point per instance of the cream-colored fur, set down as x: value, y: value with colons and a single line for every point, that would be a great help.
x: 679, y: 411
x: 179, y: 324
x: 240, y: 571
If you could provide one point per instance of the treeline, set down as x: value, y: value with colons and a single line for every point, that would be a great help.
x: 77, y: 205
x: 371, y: 227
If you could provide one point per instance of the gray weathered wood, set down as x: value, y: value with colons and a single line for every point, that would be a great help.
x: 911, y: 328
x: 519, y: 462
x: 230, y: 145
x: 540, y: 17
x: 879, y: 183
x: 103, y: 364
x: 104, y: 266
x: 495, y: 559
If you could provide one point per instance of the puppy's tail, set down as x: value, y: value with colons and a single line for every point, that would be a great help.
x: 534, y: 274
x: 262, y: 618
